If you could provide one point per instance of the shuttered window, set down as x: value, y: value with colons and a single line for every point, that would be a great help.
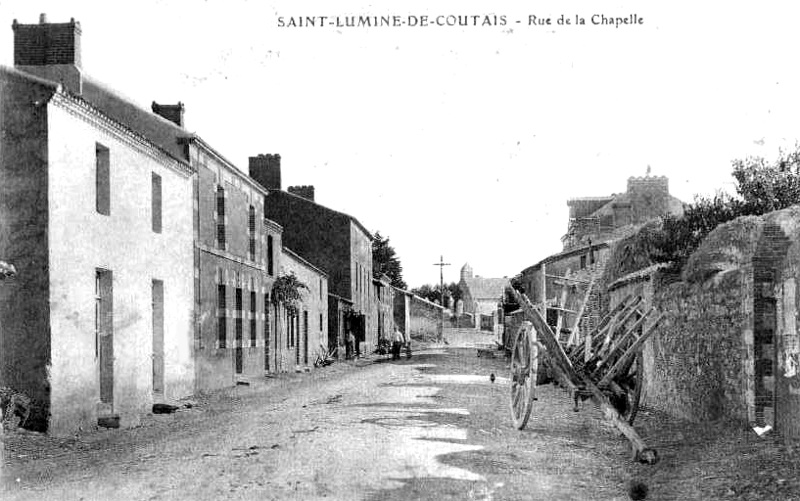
x: 156, y: 203
x: 102, y: 180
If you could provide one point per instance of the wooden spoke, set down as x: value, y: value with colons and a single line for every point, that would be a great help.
x: 634, y: 381
x: 524, y: 368
x: 626, y: 390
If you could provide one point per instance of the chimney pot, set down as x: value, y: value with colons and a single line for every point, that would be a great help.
x: 266, y: 170
x: 50, y: 50
x: 171, y: 112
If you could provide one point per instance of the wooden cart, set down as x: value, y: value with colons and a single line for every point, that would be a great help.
x: 606, y: 366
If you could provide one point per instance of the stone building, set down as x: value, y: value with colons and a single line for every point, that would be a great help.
x: 304, y: 333
x: 237, y: 258
x: 563, y: 282
x: 560, y: 284
x: 92, y: 334
x: 599, y: 219
x: 332, y: 240
x: 133, y: 245
x: 481, y: 296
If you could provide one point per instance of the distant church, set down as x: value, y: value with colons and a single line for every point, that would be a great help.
x: 480, y: 295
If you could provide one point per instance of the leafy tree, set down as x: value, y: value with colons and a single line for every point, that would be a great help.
x: 761, y: 187
x: 427, y: 292
x: 767, y: 187
x: 433, y: 293
x: 680, y: 236
x: 385, y: 260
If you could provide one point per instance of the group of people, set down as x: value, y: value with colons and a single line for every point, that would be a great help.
x: 398, y: 342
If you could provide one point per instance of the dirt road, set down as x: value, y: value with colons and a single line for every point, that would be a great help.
x: 432, y: 427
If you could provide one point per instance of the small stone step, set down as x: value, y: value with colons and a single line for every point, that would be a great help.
x: 108, y: 421
x: 160, y: 408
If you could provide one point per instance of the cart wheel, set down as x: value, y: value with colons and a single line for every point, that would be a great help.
x: 632, y: 385
x: 524, y: 368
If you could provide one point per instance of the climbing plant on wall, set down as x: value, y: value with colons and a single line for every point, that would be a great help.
x: 287, y: 291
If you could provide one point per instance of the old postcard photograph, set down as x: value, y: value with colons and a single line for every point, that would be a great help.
x: 395, y: 250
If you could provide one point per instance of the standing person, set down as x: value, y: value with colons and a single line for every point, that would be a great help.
x: 397, y: 344
x: 351, y: 341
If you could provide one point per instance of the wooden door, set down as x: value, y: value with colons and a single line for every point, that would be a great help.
x: 104, y: 327
x: 158, y: 337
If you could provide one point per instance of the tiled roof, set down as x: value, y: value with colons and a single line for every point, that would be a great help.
x: 638, y: 275
x: 486, y: 288
x: 606, y: 198
x: 31, y: 78
x: 94, y: 101
x: 159, y: 130
x: 294, y: 197
x: 566, y: 254
x: 297, y: 257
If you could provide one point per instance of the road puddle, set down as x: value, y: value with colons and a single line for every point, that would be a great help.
x: 414, y: 440
x: 463, y: 379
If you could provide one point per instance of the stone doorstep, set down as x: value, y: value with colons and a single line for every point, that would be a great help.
x: 106, y: 417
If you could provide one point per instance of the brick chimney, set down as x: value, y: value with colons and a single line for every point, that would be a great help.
x: 172, y: 112
x: 305, y: 191
x: 50, y: 50
x: 266, y: 170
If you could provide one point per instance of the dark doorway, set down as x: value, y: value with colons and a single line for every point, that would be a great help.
x: 238, y: 350
x: 305, y: 337
x: 104, y: 336
x: 158, y: 337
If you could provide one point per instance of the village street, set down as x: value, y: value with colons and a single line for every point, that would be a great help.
x: 431, y: 427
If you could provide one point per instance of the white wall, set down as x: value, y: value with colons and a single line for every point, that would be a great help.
x: 81, y: 240
x: 315, y: 301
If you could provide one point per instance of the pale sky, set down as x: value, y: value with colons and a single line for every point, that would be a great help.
x: 461, y: 142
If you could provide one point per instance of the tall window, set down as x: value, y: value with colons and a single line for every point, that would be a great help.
x: 238, y: 319
x: 305, y: 339
x: 251, y: 226
x: 221, y: 217
x: 266, y: 332
x: 102, y: 179
x: 289, y: 327
x: 270, y: 264
x: 253, y: 332
x: 222, y: 304
x: 97, y: 315
x: 292, y: 321
x: 156, y: 203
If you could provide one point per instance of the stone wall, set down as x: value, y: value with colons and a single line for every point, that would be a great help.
x: 24, y: 300
x: 698, y: 364
x: 233, y: 265
x: 425, y: 317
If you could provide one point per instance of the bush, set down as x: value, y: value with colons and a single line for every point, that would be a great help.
x: 761, y: 187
